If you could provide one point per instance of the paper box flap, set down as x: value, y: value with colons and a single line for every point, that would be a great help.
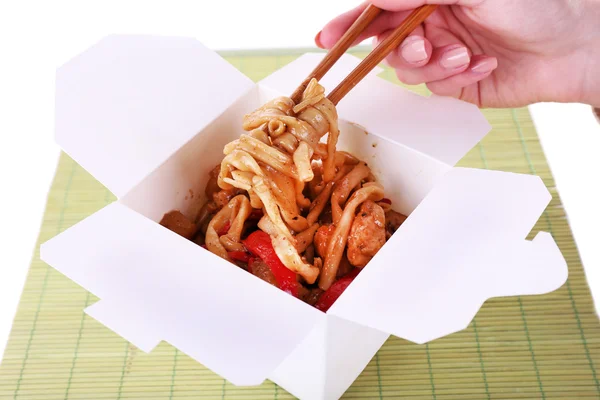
x: 441, y: 127
x: 154, y: 285
x: 464, y: 244
x: 391, y: 111
x: 127, y: 103
x: 329, y: 359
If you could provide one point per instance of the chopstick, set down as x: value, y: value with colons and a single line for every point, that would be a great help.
x: 361, y: 23
x: 407, y: 26
x: 411, y: 22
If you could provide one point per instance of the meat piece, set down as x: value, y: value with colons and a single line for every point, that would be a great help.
x: 393, y: 220
x: 311, y: 296
x: 367, y: 234
x: 222, y: 197
x: 177, y: 222
x: 212, y: 186
x: 206, y: 213
x: 303, y: 292
x: 321, y: 239
x: 262, y: 270
x: 199, y: 239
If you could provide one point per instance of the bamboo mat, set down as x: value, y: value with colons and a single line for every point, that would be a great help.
x: 545, y: 347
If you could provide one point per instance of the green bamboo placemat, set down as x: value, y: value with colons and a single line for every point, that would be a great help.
x: 516, y: 348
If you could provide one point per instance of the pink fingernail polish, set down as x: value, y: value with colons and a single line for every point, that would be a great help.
x: 414, y: 51
x: 484, y: 66
x: 318, y: 41
x: 455, y: 58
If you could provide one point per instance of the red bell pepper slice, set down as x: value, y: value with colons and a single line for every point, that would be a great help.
x: 250, y: 262
x: 259, y: 244
x: 386, y: 200
x: 329, y: 297
x: 353, y: 274
x: 239, y: 256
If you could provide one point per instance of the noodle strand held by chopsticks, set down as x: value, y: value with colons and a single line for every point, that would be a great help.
x: 270, y: 207
x: 239, y: 160
x: 283, y: 177
x: 287, y: 172
x: 273, y: 162
x: 268, y: 155
x: 329, y: 163
x: 284, y: 192
x: 302, y: 157
x: 287, y: 142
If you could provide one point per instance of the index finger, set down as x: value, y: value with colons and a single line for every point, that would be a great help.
x: 336, y: 28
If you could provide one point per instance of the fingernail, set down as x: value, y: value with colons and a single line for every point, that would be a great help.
x: 484, y: 66
x: 318, y: 41
x: 414, y: 51
x: 455, y: 58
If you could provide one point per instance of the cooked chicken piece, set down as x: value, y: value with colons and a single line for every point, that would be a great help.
x: 393, y: 220
x: 367, y: 234
x: 207, y: 212
x: 222, y: 197
x: 321, y: 239
x: 199, y: 239
x: 212, y: 186
x: 177, y: 222
x: 311, y: 296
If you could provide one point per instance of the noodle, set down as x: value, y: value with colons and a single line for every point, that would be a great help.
x: 335, y: 250
x: 302, y: 157
x: 268, y: 155
x: 285, y: 179
x: 287, y: 142
x: 283, y: 190
x: 344, y: 187
x: 237, y: 210
x: 305, y: 238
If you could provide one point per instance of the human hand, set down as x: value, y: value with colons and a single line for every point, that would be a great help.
x: 493, y: 53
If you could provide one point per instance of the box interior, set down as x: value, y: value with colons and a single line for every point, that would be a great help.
x: 178, y: 184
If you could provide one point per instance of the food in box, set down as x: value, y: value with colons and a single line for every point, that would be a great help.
x: 150, y: 116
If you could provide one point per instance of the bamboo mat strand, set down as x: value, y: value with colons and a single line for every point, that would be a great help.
x: 530, y: 347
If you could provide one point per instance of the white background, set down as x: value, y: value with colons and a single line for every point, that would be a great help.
x: 37, y: 37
